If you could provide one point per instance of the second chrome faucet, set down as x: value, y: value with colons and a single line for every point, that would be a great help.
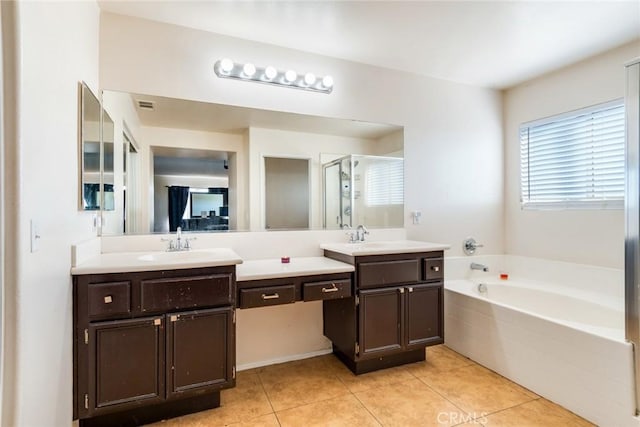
x: 179, y: 244
x: 358, y: 235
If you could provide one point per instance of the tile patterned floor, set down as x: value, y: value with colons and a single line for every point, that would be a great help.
x: 445, y: 390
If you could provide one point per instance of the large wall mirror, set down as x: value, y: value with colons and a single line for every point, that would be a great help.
x: 212, y: 167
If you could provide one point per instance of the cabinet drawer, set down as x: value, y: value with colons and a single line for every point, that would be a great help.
x: 270, y: 295
x: 331, y: 289
x: 388, y: 273
x: 433, y: 268
x: 109, y: 299
x: 186, y: 292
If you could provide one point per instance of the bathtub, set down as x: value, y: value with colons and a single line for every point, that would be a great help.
x: 555, y: 328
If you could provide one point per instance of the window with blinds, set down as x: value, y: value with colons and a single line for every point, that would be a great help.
x: 385, y: 183
x: 574, y: 160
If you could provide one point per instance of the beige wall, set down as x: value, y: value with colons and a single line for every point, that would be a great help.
x: 391, y: 145
x: 584, y: 236
x: 58, y: 47
x: 453, y: 132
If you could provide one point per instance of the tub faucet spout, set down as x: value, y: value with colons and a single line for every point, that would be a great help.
x: 481, y: 267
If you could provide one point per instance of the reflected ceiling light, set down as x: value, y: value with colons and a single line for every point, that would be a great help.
x: 226, y: 68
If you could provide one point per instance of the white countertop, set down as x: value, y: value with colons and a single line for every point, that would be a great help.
x: 383, y: 248
x: 123, y: 262
x: 298, y: 266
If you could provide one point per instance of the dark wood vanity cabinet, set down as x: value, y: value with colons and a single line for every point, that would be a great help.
x: 392, y: 319
x: 397, y: 310
x: 151, y: 345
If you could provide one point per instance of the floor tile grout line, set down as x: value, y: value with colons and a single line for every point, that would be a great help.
x: 511, y: 407
x: 442, y: 395
x: 367, y: 409
x: 264, y: 390
x: 486, y: 414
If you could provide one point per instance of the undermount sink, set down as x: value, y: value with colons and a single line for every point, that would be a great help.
x: 176, y: 256
x: 383, y: 247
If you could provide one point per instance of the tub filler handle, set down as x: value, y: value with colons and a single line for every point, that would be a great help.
x: 469, y: 245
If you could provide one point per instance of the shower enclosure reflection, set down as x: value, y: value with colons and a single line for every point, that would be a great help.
x: 361, y: 189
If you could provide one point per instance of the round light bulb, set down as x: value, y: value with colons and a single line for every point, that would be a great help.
x: 249, y: 69
x: 327, y: 81
x: 309, y: 79
x: 270, y: 73
x: 290, y: 76
x: 226, y: 65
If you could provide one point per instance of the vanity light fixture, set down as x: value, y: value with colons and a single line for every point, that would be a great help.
x: 226, y: 68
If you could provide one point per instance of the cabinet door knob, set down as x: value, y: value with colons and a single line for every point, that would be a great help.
x: 401, y: 290
x: 157, y: 322
x: 410, y: 289
x: 272, y: 296
x: 108, y: 299
x: 435, y: 268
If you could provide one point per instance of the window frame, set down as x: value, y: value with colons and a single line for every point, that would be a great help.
x: 596, y: 204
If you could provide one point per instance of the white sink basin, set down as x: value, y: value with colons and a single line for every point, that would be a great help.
x: 178, y: 256
x: 381, y: 248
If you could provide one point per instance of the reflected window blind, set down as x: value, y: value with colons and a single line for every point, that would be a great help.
x: 575, y: 160
x: 385, y: 183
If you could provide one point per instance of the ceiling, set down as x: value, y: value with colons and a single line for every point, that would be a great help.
x: 494, y: 44
x: 208, y: 117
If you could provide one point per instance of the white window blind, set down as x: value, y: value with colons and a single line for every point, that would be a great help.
x: 575, y: 160
x: 385, y: 183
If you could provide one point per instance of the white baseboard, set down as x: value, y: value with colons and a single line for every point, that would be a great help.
x: 284, y: 359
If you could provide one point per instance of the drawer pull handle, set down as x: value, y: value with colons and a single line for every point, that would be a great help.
x: 435, y: 268
x: 410, y: 289
x: 333, y: 288
x: 108, y: 299
x: 157, y: 322
x: 401, y: 290
x: 272, y: 296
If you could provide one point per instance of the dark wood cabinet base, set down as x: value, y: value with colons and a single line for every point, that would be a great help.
x: 382, y: 362
x: 153, y: 413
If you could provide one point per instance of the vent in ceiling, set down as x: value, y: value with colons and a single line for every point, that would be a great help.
x: 146, y: 105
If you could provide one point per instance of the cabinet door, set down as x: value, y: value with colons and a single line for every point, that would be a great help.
x: 380, y: 318
x: 126, y: 361
x: 200, y: 351
x: 424, y: 315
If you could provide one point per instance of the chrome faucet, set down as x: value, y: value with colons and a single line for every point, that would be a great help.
x: 481, y: 267
x: 179, y: 244
x: 178, y: 238
x: 361, y: 231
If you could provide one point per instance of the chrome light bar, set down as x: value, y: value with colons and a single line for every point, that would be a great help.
x: 226, y: 68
